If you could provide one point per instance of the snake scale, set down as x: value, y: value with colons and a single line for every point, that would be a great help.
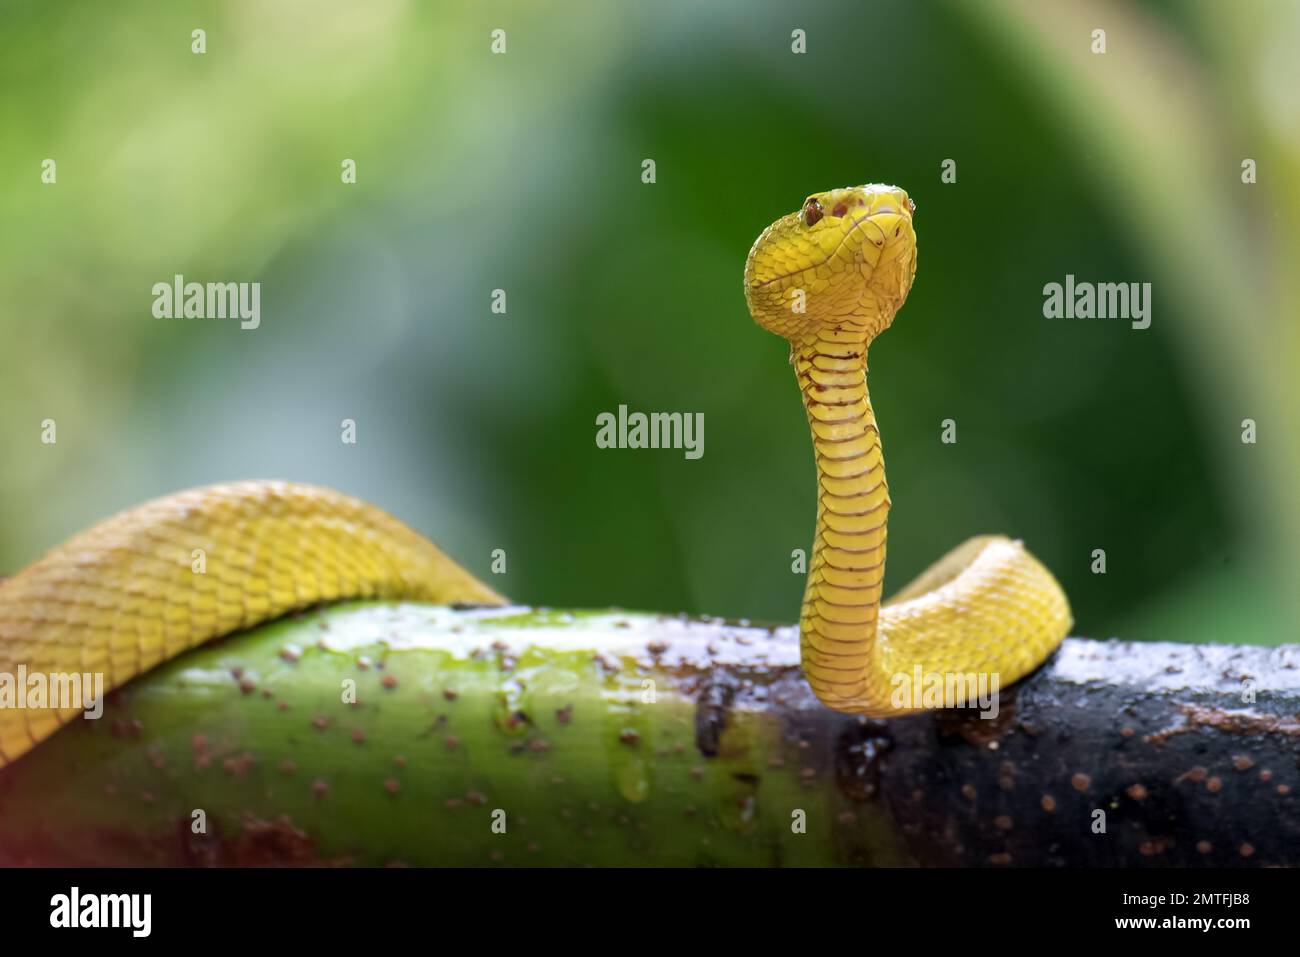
x: 145, y: 585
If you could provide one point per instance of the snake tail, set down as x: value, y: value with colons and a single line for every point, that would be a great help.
x: 149, y: 583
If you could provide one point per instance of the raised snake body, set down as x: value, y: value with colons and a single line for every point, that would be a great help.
x: 830, y: 278
x: 145, y: 585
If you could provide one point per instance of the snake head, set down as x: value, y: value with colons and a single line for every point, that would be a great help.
x: 844, y: 262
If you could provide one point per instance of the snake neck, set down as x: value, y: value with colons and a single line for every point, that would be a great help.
x: 845, y: 577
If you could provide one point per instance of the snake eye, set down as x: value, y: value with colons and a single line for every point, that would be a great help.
x: 812, y: 211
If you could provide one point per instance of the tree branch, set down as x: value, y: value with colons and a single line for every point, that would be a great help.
x: 518, y: 736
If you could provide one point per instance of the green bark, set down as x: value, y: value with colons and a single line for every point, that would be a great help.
x: 577, y: 732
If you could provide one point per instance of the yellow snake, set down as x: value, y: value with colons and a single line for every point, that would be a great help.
x: 830, y: 278
x: 145, y: 585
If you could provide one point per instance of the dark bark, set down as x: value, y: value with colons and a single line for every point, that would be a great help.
x: 1190, y: 750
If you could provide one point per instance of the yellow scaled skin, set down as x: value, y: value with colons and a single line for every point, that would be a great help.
x: 830, y: 278
x: 133, y: 591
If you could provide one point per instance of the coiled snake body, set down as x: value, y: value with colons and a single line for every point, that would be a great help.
x: 145, y: 585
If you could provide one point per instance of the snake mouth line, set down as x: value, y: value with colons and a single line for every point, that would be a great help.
x: 864, y: 218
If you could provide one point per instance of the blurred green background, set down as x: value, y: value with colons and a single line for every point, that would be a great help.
x: 523, y: 172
